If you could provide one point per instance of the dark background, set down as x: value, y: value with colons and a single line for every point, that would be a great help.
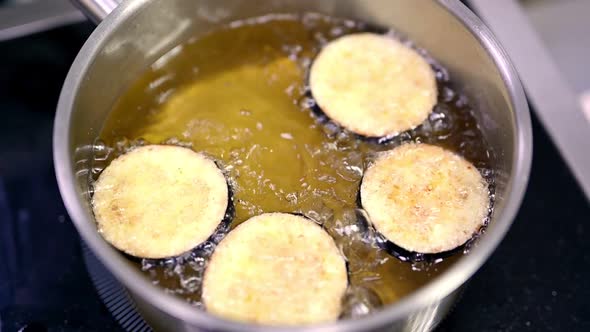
x: 537, y: 280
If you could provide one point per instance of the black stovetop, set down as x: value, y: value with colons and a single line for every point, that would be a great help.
x: 537, y: 280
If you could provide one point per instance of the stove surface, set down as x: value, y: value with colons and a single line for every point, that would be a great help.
x: 537, y: 280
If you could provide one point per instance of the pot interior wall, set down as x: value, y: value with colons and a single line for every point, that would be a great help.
x: 157, y: 26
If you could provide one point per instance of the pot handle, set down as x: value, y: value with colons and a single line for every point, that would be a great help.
x: 96, y: 10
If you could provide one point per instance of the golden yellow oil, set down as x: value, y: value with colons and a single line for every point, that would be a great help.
x: 239, y: 95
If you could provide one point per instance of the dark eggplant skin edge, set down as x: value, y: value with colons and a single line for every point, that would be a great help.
x: 215, y: 238
x: 399, y: 252
x: 392, y: 139
x: 323, y: 119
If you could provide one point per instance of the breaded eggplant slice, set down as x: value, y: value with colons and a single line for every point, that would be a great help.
x: 424, y: 199
x: 373, y: 85
x: 276, y: 269
x: 159, y: 201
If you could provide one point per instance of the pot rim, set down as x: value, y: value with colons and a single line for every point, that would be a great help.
x: 427, y: 295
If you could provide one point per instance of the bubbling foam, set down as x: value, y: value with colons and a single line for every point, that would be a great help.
x: 249, y: 108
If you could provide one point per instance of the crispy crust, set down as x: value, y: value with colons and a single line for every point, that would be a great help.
x: 373, y: 85
x: 276, y: 269
x: 425, y: 199
x: 159, y: 201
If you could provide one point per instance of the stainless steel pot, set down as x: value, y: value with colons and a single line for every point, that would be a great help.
x: 138, y: 32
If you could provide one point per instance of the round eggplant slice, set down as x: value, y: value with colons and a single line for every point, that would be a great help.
x: 373, y: 85
x: 159, y: 201
x: 276, y: 269
x: 424, y: 199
